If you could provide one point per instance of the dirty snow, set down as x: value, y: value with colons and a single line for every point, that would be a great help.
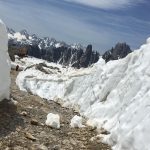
x: 76, y: 122
x: 53, y: 120
x: 114, y: 96
x: 4, y: 63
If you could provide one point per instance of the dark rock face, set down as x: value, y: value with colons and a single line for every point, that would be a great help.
x: 33, y: 50
x: 121, y: 50
x: 88, y: 56
x: 85, y: 58
x: 51, y: 50
x: 20, y: 50
x: 66, y: 56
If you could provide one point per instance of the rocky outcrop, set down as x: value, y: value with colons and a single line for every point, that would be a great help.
x: 20, y: 50
x: 88, y: 56
x: 22, y: 44
x: 121, y: 50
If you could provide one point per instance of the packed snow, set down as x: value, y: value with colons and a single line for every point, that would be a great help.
x: 76, y: 122
x: 18, y: 36
x: 4, y: 63
x: 114, y: 96
x: 53, y: 120
x: 57, y: 45
x: 25, y: 62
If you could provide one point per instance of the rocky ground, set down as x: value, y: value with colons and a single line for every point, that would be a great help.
x: 22, y: 125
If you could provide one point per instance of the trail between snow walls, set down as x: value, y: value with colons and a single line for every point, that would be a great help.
x: 22, y: 125
x: 114, y: 96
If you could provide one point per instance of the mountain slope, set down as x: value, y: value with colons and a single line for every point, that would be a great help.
x: 75, y: 55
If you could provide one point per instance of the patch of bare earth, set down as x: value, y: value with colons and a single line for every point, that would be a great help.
x: 22, y: 126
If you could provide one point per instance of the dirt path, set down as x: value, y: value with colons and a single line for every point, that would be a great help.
x: 16, y: 125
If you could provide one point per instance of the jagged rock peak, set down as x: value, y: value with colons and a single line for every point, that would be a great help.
x: 120, y: 50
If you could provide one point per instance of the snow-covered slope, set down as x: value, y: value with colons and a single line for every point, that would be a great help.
x: 4, y: 63
x: 115, y: 96
x: 24, y: 38
x: 27, y: 62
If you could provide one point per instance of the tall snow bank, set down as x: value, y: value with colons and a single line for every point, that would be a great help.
x: 114, y: 96
x: 4, y: 63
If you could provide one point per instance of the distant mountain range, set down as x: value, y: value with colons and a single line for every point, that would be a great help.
x: 75, y: 55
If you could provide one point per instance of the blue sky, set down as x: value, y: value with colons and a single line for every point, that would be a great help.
x: 101, y: 23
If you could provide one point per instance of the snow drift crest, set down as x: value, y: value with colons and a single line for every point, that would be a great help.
x: 4, y: 63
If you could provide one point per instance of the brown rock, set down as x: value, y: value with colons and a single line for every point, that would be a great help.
x: 34, y: 122
x: 24, y: 113
x: 39, y: 147
x: 105, y: 132
x: 30, y: 136
x: 56, y: 147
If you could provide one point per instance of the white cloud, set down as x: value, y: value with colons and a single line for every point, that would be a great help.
x: 107, y: 4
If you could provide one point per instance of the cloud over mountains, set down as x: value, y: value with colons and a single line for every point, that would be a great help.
x: 107, y: 4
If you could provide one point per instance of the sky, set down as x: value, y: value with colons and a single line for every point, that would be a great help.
x: 101, y: 23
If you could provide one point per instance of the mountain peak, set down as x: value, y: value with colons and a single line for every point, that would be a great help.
x: 120, y: 50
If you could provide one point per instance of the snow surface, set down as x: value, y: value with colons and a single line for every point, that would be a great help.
x: 4, y: 63
x: 53, y: 120
x: 57, y: 45
x: 18, y: 36
x: 76, y: 122
x: 29, y: 61
x: 114, y: 96
x: 25, y: 62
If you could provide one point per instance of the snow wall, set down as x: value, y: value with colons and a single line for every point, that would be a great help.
x: 4, y: 63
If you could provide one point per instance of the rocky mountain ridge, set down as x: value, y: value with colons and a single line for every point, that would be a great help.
x: 74, y: 55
